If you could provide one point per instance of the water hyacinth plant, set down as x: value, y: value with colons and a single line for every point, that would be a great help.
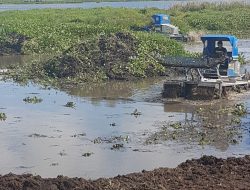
x: 33, y: 100
x: 49, y: 31
x: 3, y: 116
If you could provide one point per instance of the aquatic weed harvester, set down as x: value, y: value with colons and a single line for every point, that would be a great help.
x: 211, y: 76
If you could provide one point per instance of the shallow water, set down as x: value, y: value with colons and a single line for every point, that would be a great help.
x: 50, y: 139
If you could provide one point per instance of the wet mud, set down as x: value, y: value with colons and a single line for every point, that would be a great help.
x: 207, y: 172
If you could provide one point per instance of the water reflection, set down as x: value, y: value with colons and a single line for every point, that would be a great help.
x: 10, y: 61
x: 118, y: 91
x: 14, y: 60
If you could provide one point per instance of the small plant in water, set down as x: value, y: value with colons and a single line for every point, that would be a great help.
x: 70, y: 105
x: 3, y: 116
x: 242, y: 58
x: 175, y: 125
x: 117, y: 146
x: 239, y: 110
x: 136, y: 113
x: 33, y: 100
x: 87, y: 154
x: 235, y: 120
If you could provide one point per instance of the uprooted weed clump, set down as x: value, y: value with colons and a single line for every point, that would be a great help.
x: 105, y: 57
x: 11, y: 43
x: 119, y: 56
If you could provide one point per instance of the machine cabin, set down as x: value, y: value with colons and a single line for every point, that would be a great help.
x: 229, y: 66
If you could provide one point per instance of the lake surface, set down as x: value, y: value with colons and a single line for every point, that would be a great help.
x: 87, y: 5
x: 50, y: 139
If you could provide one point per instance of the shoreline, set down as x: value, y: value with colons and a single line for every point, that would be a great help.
x: 207, y: 172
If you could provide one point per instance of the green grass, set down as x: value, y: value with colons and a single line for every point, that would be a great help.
x: 226, y: 18
x: 54, y: 30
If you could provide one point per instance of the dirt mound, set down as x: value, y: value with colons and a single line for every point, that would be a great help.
x: 207, y: 172
x: 104, y: 57
x: 12, y: 44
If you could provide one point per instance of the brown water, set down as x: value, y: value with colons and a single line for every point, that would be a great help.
x: 50, y: 139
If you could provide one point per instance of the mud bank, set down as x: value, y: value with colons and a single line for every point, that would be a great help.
x: 207, y: 172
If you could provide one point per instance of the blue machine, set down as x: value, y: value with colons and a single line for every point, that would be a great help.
x: 229, y: 66
x: 160, y: 19
x: 161, y: 23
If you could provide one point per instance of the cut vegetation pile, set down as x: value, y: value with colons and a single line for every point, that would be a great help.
x: 116, y: 56
x: 105, y: 57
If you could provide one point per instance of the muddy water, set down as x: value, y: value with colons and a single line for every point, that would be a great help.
x: 50, y: 139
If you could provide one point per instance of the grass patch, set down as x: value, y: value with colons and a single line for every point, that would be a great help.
x: 55, y: 30
x: 226, y: 18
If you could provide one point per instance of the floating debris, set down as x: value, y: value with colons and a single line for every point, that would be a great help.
x: 3, y: 116
x: 117, y: 146
x: 176, y: 125
x: 112, y: 124
x: 62, y: 153
x: 70, y: 104
x: 113, y: 139
x: 235, y: 120
x: 239, y: 110
x: 203, y: 140
x: 33, y: 100
x: 37, y: 135
x: 136, y: 113
x: 79, y: 135
x: 3, y: 71
x: 54, y: 164
x: 142, y: 150
x: 25, y: 167
x: 87, y: 154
